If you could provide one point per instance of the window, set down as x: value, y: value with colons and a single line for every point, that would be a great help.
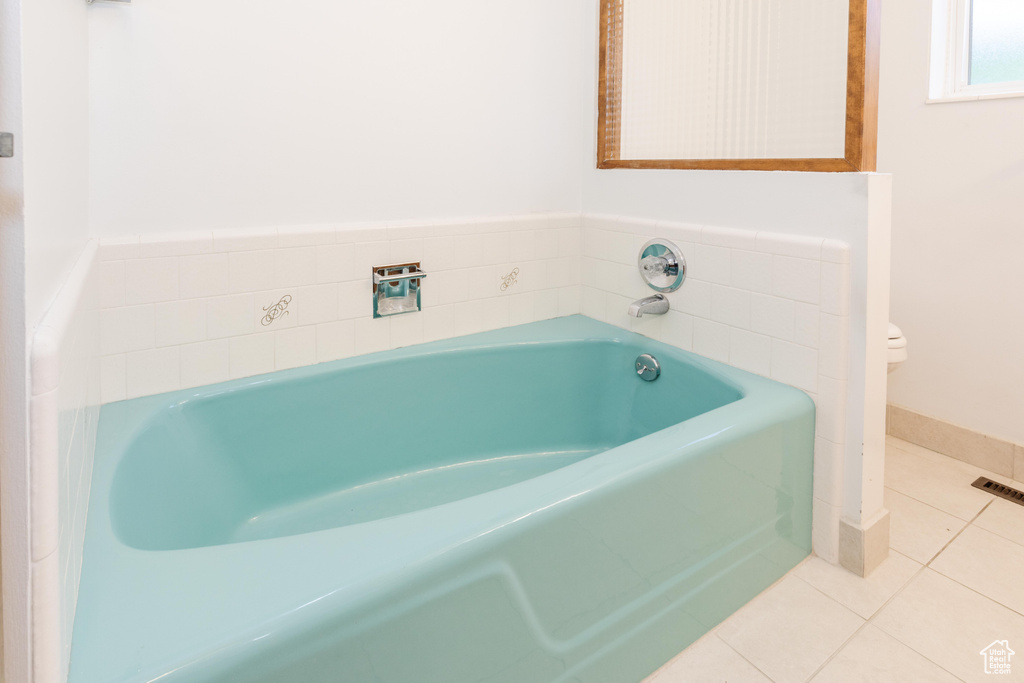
x: 977, y: 49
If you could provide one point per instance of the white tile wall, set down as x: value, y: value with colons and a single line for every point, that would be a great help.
x: 63, y: 414
x: 774, y: 304
x: 165, y: 301
x: 207, y: 362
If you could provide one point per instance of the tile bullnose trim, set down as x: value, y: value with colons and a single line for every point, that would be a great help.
x: 64, y: 369
x: 44, y: 360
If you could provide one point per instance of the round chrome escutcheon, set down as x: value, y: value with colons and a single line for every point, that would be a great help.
x: 647, y: 367
x: 662, y: 265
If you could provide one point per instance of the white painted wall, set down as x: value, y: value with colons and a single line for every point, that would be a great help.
x: 14, y: 517
x: 240, y: 114
x: 43, y: 229
x: 55, y: 144
x: 957, y: 237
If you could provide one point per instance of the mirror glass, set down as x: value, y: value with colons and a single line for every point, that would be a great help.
x: 732, y: 79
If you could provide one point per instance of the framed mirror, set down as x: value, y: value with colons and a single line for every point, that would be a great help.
x: 787, y: 85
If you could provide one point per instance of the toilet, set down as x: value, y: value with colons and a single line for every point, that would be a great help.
x: 897, y: 347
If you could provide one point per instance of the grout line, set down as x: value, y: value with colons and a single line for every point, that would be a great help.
x: 909, y: 581
x: 867, y: 621
x: 790, y: 573
x: 956, y: 462
x: 740, y: 655
x: 870, y: 620
x: 957, y: 535
x: 996, y: 533
x: 713, y: 632
x: 826, y: 594
x: 959, y: 583
x: 852, y: 635
x: 881, y: 608
x: 945, y: 512
x: 918, y: 500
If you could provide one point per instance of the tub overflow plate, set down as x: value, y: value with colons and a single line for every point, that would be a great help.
x: 647, y: 367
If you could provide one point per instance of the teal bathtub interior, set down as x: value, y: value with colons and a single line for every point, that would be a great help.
x: 515, y: 505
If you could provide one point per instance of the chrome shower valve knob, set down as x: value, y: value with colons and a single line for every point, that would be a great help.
x: 653, y: 266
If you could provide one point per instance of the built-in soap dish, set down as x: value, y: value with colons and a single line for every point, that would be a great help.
x: 396, y: 289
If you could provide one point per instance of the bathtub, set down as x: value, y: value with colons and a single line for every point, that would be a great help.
x: 516, y: 505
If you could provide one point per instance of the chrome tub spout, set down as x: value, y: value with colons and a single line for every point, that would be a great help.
x: 649, y: 305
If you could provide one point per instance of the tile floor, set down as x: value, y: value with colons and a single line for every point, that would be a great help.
x: 953, y: 584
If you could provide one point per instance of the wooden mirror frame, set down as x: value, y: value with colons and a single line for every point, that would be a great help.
x: 861, y: 102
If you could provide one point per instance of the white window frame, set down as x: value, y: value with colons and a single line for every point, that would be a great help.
x: 951, y: 54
